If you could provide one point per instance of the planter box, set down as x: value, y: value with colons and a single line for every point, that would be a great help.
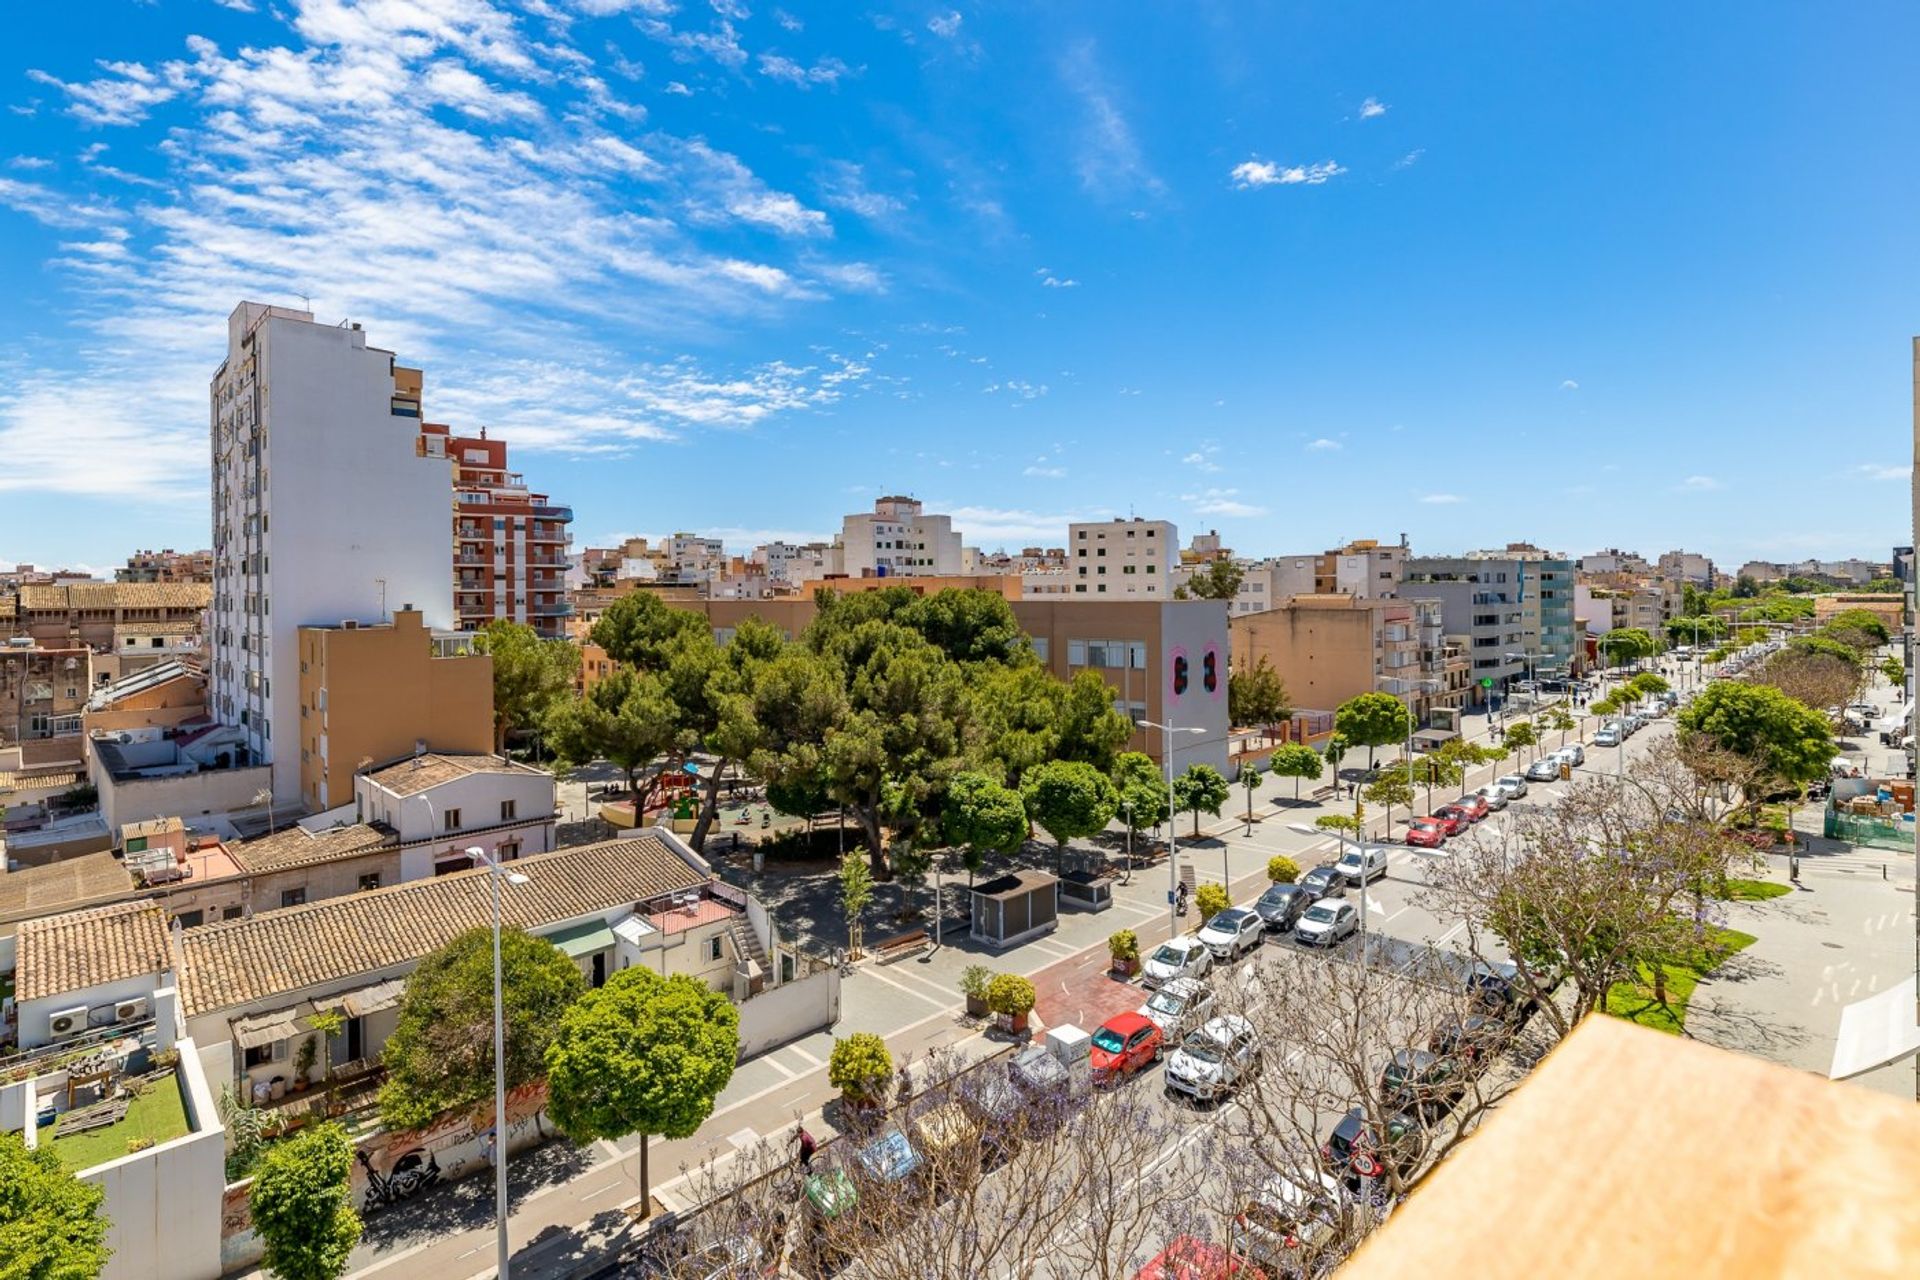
x: 976, y: 1006
x: 1126, y: 968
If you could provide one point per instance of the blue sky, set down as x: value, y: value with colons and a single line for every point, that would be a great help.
x: 1582, y: 274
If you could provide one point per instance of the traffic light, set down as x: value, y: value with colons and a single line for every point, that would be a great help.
x: 1179, y: 674
x: 1209, y: 673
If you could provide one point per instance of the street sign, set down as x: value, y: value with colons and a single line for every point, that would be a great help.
x: 1486, y: 682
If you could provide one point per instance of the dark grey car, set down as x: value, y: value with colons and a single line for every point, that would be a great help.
x: 1282, y: 905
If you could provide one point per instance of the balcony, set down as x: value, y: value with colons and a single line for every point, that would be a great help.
x: 548, y: 512
x: 552, y: 609
x: 473, y: 559
x: 547, y: 559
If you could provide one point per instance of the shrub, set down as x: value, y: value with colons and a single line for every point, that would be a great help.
x: 1010, y: 993
x: 138, y: 1144
x: 1211, y: 899
x: 1282, y: 870
x: 1124, y: 945
x: 860, y: 1066
x: 973, y: 981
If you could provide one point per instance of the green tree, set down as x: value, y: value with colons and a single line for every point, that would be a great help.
x: 713, y: 690
x: 529, y: 674
x: 51, y: 1227
x: 1784, y: 742
x: 1296, y: 760
x: 1025, y: 717
x: 626, y: 719
x: 1089, y: 729
x: 1210, y: 900
x: 1220, y: 580
x: 983, y: 818
x: 1199, y: 789
x: 1865, y: 621
x: 1694, y: 629
x: 860, y: 1066
x: 1336, y: 751
x: 1068, y: 798
x: 1604, y: 706
x: 1519, y: 736
x: 643, y: 1054
x: 302, y: 1204
x: 1282, y: 870
x: 1257, y: 695
x: 1895, y: 672
x: 969, y: 626
x: 1391, y: 788
x: 1627, y: 644
x: 856, y: 892
x: 1140, y: 790
x: 1250, y: 783
x: 1373, y: 720
x: 1826, y: 645
x: 440, y: 1055
x: 639, y: 629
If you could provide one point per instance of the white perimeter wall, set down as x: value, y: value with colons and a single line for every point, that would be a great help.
x: 785, y: 1013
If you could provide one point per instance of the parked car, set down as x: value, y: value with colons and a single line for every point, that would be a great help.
x: 1353, y: 1151
x: 1125, y: 1043
x: 1455, y: 817
x: 1545, y: 769
x: 734, y: 1258
x: 1365, y: 862
x: 1233, y: 932
x: 1326, y: 923
x: 1286, y: 1224
x: 1500, y: 990
x: 1178, y: 1007
x: 1214, y: 1058
x: 1574, y: 752
x: 1476, y: 807
x: 1323, y: 882
x: 1469, y: 1037
x: 1493, y: 795
x: 1282, y: 904
x: 1421, y: 1081
x: 1514, y: 784
x: 1427, y: 832
x: 1182, y: 957
x: 1607, y: 735
x: 1191, y: 1258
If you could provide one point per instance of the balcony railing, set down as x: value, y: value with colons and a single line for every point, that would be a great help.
x: 548, y: 512
x: 552, y: 609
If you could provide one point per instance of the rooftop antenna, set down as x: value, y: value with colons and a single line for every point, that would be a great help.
x: 383, y: 598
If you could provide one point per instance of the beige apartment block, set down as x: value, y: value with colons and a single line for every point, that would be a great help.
x: 1889, y: 607
x: 1122, y: 559
x: 372, y: 694
x: 1328, y: 649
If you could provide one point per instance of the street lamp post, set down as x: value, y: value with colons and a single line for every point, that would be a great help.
x: 1173, y: 870
x: 495, y: 874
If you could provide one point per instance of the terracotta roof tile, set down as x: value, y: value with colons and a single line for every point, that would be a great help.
x: 62, y: 886
x: 124, y: 595
x: 417, y: 773
x: 237, y: 962
x: 84, y: 949
x: 296, y: 847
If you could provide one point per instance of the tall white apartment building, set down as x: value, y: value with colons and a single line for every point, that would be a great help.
x: 326, y: 509
x: 1123, y: 559
x: 1272, y: 582
x: 1687, y: 566
x: 898, y: 539
x: 794, y: 563
x: 1369, y: 570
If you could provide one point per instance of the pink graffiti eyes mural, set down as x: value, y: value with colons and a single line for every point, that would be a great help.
x: 1212, y: 677
x: 1182, y: 671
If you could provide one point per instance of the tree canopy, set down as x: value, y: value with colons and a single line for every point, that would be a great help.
x: 1627, y: 644
x: 1865, y: 621
x: 640, y: 629
x: 440, y: 1055
x: 51, y: 1227
x: 625, y: 718
x: 1068, y: 798
x: 1220, y: 580
x: 302, y: 1204
x: 1141, y: 790
x: 1787, y: 742
x: 643, y: 1054
x: 529, y: 674
x: 1257, y: 695
x: 1298, y: 761
x: 1200, y: 788
x: 1373, y: 720
x: 983, y: 818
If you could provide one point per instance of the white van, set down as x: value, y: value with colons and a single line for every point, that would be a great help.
x: 1367, y: 862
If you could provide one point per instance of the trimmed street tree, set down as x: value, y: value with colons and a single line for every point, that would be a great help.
x: 1296, y: 760
x: 1557, y: 718
x: 1282, y: 870
x: 1336, y: 751
x: 529, y: 674
x: 1068, y: 798
x: 1627, y: 644
x: 982, y: 817
x: 1519, y: 736
x: 302, y: 1205
x: 1820, y: 680
x: 440, y: 1055
x: 1895, y: 671
x: 1142, y: 792
x: 1389, y: 789
x: 1257, y: 696
x: 1373, y: 720
x: 856, y: 892
x: 1250, y: 783
x: 860, y: 1066
x: 1786, y: 743
x: 51, y: 1227
x: 641, y: 1055
x: 1201, y: 788
x: 1210, y: 899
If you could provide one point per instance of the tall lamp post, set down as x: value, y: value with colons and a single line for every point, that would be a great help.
x: 1173, y: 870
x: 495, y: 874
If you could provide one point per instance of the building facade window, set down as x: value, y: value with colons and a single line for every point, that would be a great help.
x: 451, y: 820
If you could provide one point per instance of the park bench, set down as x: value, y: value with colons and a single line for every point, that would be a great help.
x: 887, y: 950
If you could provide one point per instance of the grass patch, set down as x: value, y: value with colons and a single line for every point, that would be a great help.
x: 158, y: 1114
x: 1739, y: 890
x: 1635, y: 1001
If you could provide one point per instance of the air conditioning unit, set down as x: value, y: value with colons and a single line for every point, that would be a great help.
x: 67, y: 1024
x: 130, y: 1010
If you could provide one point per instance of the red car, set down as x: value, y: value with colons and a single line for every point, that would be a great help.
x: 1190, y: 1258
x: 1427, y: 833
x: 1125, y: 1043
x: 1476, y: 806
x: 1454, y: 817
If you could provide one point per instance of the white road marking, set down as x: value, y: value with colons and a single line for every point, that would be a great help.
x: 877, y: 976
x: 781, y: 1067
x: 805, y: 1055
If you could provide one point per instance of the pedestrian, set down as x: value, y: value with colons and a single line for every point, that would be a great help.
x: 807, y: 1147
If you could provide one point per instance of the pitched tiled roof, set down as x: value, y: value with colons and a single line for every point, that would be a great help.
x: 124, y: 595
x: 417, y: 773
x: 62, y: 886
x: 236, y: 962
x: 296, y: 847
x: 89, y: 948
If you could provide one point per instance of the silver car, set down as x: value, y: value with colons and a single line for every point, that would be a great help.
x: 1214, y: 1058
x: 1513, y: 784
x: 1179, y: 1007
x: 1494, y: 794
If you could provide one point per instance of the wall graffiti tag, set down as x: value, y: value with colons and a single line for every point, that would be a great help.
x: 409, y: 1176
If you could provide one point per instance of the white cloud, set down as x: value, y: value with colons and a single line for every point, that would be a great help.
x: 1109, y: 160
x: 946, y: 25
x: 1881, y: 471
x: 825, y: 71
x: 30, y: 162
x: 1441, y: 499
x: 1055, y: 282
x: 49, y: 207
x: 1322, y: 445
x: 1410, y: 159
x: 1048, y: 473
x: 677, y: 89
x: 121, y: 98
x: 787, y: 21
x: 731, y: 9
x: 1201, y: 459
x: 1221, y: 502
x: 1017, y: 388
x: 1569, y: 385
x: 1701, y: 484
x: 1371, y: 108
x: 238, y: 6
x: 1268, y: 173
x: 986, y: 526
x: 844, y: 186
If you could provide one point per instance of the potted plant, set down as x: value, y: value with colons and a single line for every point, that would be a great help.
x: 973, y: 984
x: 1124, y: 947
x: 1282, y: 870
x: 303, y: 1063
x: 1011, y: 996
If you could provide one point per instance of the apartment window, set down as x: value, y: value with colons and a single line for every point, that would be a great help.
x: 1080, y: 587
x: 262, y: 1055
x: 232, y: 913
x: 72, y: 692
x: 1077, y: 651
x: 1103, y: 551
x: 370, y: 881
x: 506, y: 850
x: 191, y: 919
x: 1040, y: 646
x: 1126, y: 568
x: 293, y: 897
x: 713, y: 947
x: 451, y: 820
x: 507, y: 810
